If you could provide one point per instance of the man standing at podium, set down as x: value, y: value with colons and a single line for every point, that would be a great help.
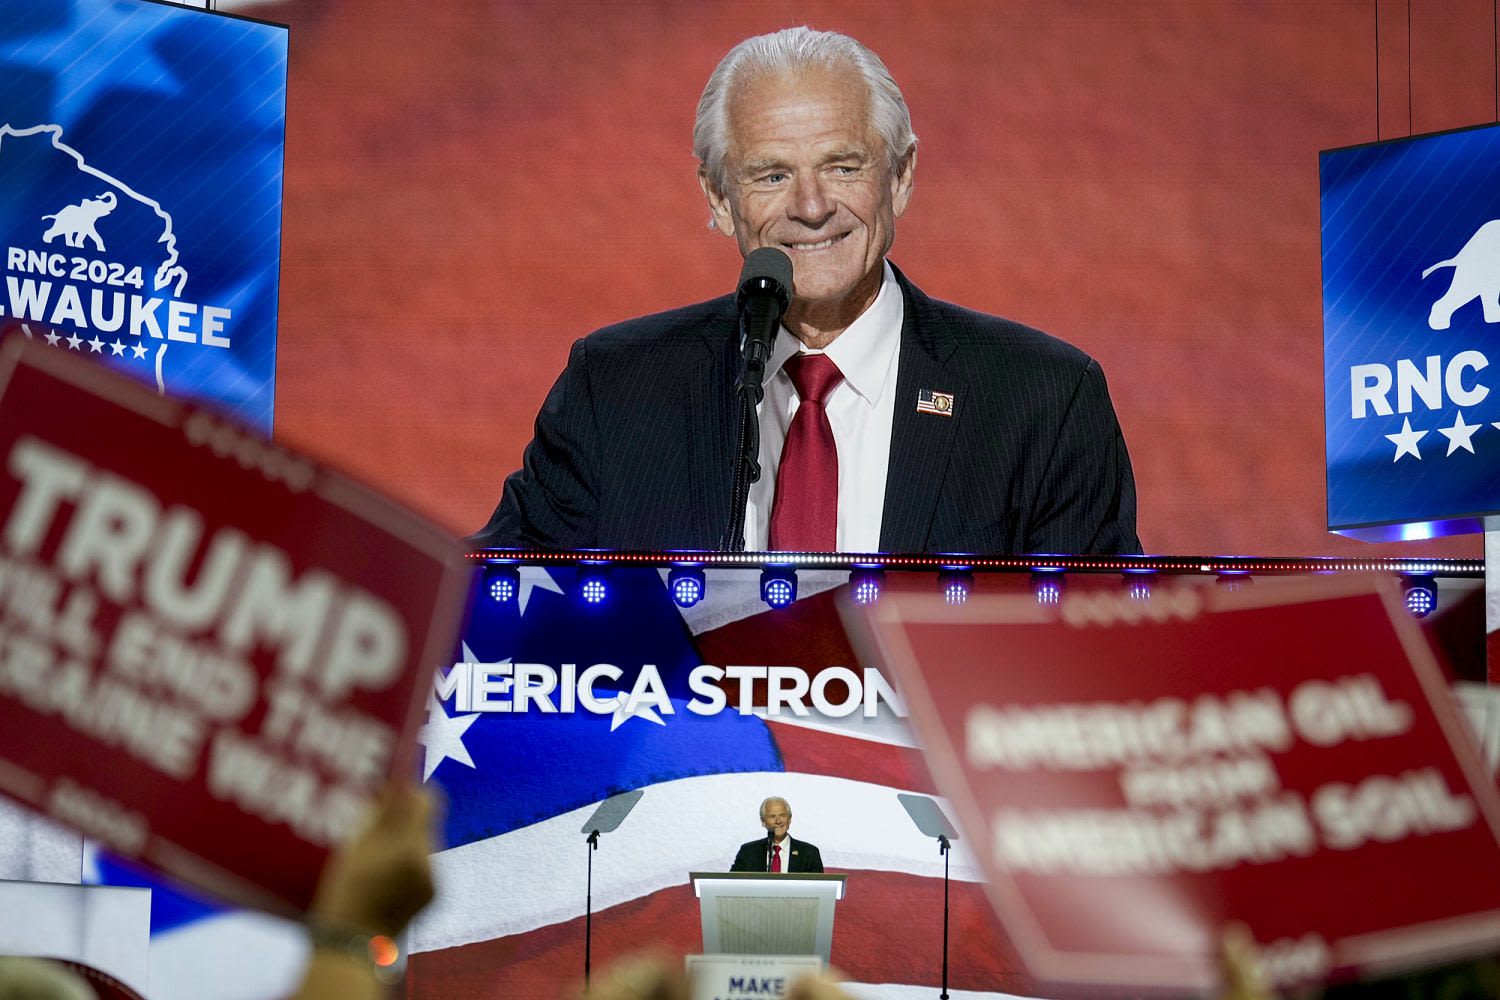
x: 777, y: 852
x: 892, y: 422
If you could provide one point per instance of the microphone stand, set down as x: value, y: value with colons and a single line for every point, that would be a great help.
x: 588, y: 912
x: 943, y: 848
x: 749, y: 391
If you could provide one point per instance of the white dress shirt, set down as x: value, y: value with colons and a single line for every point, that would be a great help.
x: 860, y: 410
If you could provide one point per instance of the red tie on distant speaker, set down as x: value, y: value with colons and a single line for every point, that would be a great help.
x: 805, y: 512
x: 776, y: 857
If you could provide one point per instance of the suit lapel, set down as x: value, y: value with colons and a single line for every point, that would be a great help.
x: 710, y: 411
x: 921, y: 443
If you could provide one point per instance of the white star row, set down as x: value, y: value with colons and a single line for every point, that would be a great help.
x: 1459, y: 435
x: 96, y: 346
x: 443, y: 735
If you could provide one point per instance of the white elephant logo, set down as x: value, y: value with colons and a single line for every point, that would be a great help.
x: 76, y: 222
x: 1476, y: 275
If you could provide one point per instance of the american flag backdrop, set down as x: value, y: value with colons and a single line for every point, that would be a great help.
x: 512, y: 879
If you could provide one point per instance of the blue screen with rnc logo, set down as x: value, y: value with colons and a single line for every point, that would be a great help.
x: 1411, y: 324
x: 141, y: 150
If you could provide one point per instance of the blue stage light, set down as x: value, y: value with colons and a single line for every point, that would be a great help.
x: 778, y: 585
x: 1138, y: 585
x: 1048, y: 585
x: 687, y: 585
x: 501, y: 583
x: 1233, y: 580
x: 865, y: 583
x: 955, y: 585
x: 1420, y: 594
x: 593, y: 584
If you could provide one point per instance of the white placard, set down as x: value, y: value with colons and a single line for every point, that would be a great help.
x: 747, y: 977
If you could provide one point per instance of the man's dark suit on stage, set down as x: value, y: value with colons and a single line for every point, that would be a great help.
x: 635, y: 443
x: 797, y: 856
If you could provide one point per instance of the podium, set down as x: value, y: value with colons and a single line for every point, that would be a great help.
x: 759, y: 913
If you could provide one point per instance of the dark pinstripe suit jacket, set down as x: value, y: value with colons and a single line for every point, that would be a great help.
x: 799, y: 856
x: 634, y: 444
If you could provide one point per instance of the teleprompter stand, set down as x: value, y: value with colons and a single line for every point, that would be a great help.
x: 931, y: 822
x: 610, y: 814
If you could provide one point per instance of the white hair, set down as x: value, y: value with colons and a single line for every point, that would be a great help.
x: 774, y: 798
x: 788, y: 51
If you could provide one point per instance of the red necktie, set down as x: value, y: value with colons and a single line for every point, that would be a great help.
x: 776, y: 857
x: 805, y: 512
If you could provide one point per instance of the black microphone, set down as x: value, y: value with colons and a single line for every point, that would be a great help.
x: 765, y: 292
x: 770, y: 834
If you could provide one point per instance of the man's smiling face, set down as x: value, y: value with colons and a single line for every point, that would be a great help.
x: 776, y: 816
x: 806, y: 172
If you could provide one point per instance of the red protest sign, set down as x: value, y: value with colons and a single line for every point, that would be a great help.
x: 212, y: 650
x: 1135, y: 775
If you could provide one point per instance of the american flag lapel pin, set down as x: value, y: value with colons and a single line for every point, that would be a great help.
x: 940, y: 403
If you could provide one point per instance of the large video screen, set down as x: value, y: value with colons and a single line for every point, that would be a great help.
x: 1411, y: 305
x: 141, y: 158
